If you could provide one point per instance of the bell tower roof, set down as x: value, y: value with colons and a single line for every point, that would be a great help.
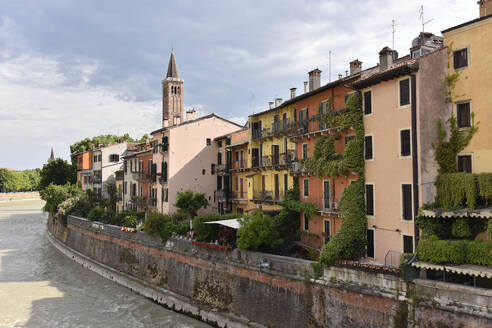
x: 172, y: 69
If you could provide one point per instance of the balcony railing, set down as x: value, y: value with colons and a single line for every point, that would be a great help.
x: 267, y: 196
x: 222, y: 195
x: 143, y: 176
x: 239, y: 165
x: 163, y: 179
x: 221, y: 168
x: 256, y: 134
x: 255, y: 162
x: 297, y: 168
x: 281, y: 127
x: 239, y: 195
x: 288, y: 157
x: 323, y: 203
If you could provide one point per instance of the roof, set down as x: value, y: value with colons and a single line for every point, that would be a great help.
x: 462, y: 213
x: 193, y: 121
x: 313, y: 92
x: 404, y: 67
x: 240, y: 143
x: 172, y: 69
x: 232, y: 223
x: 227, y: 135
x: 466, y: 23
x: 466, y: 269
x: 137, y: 153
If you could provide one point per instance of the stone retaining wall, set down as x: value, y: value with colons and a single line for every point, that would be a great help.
x: 264, y: 289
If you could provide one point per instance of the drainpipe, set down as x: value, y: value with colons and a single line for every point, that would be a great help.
x: 415, y: 159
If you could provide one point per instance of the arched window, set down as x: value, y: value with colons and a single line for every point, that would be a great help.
x: 179, y: 90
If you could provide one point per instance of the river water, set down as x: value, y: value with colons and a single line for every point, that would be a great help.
x: 40, y: 287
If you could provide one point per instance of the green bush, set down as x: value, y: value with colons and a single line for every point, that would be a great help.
x: 460, y: 228
x: 54, y: 195
x: 159, y: 225
x: 258, y: 232
x: 96, y: 214
x: 131, y: 221
x: 206, y: 232
x: 190, y: 202
x: 437, y: 251
x: 489, y: 229
x: 180, y: 216
x: 182, y: 228
x: 440, y: 227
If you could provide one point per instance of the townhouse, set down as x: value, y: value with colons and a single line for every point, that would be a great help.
x: 84, y: 169
x: 402, y: 102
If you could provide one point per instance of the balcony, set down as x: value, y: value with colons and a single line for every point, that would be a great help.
x: 163, y: 179
x: 256, y: 134
x: 255, y: 162
x: 266, y: 161
x: 221, y: 168
x: 163, y: 148
x: 141, y: 176
x: 297, y: 168
x: 288, y: 157
x: 239, y: 165
x: 324, y: 204
x: 239, y: 195
x: 222, y: 195
x: 267, y: 196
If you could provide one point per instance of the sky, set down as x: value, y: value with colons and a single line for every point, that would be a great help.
x: 76, y: 69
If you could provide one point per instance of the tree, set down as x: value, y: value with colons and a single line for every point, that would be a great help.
x: 55, y: 194
x: 113, y: 196
x: 258, y: 232
x: 57, y: 172
x: 19, y: 180
x: 190, y: 202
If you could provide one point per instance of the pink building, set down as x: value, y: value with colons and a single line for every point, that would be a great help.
x: 402, y: 102
x: 184, y: 154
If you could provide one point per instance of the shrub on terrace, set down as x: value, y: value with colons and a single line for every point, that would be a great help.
x: 258, y: 232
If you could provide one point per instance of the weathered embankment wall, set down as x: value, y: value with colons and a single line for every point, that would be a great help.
x: 245, y: 288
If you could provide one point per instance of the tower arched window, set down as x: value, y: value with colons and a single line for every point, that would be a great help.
x: 179, y: 90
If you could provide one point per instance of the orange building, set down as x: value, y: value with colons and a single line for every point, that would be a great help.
x: 324, y: 192
x: 84, y: 169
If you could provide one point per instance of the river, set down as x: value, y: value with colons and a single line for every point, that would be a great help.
x: 40, y: 287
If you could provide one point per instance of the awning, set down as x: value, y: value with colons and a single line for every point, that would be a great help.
x: 232, y: 223
x: 485, y: 213
x: 466, y: 269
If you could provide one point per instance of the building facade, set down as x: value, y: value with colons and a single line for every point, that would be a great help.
x: 239, y: 171
x: 470, y: 45
x: 84, y: 169
x: 402, y: 103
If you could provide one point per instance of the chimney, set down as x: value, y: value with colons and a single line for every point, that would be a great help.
x: 305, y: 86
x: 346, y: 72
x: 278, y: 102
x: 191, y: 115
x: 292, y: 93
x: 314, y: 79
x: 355, y: 66
x: 385, y: 58
x: 340, y: 76
x: 485, y: 7
x: 270, y: 104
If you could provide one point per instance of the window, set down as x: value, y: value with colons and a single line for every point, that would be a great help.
x: 237, y: 156
x: 407, y: 244
x: 465, y: 163
x: 209, y: 142
x: 460, y: 58
x: 306, y: 223
x: 114, y: 158
x: 369, y: 200
x: 203, y: 172
x: 370, y: 243
x: 212, y: 168
x: 367, y: 102
x: 165, y: 144
x: 165, y: 196
x: 405, y: 143
x: 327, y: 231
x: 306, y: 187
x: 239, y: 210
x: 286, y: 183
x: 219, y: 158
x: 125, y: 187
x: 404, y: 92
x: 406, y: 191
x: 99, y: 157
x: 219, y: 182
x: 348, y: 138
x: 463, y: 114
x: 237, y: 183
x: 95, y: 158
x: 304, y: 151
x: 219, y: 143
x: 368, y: 153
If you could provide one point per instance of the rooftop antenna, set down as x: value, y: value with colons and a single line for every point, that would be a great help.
x: 329, y: 66
x: 393, y: 27
x: 422, y: 18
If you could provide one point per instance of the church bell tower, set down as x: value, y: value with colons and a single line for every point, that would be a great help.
x: 172, y: 95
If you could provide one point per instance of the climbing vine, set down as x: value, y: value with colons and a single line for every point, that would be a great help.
x: 350, y: 241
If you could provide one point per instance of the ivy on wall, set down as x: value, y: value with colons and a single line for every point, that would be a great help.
x: 350, y: 241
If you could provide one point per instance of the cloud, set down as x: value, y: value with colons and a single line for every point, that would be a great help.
x: 70, y: 70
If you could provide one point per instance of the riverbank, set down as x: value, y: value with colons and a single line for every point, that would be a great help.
x: 273, y: 291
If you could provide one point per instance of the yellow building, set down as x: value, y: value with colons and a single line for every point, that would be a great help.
x: 270, y: 153
x: 470, y: 46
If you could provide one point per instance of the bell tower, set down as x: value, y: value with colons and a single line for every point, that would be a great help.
x: 172, y: 95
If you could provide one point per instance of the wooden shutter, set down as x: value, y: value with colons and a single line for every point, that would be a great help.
x: 367, y: 102
x: 404, y: 92
x: 405, y: 142
x: 370, y: 243
x: 407, y: 201
x: 407, y: 244
x: 369, y: 200
x: 368, y: 147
